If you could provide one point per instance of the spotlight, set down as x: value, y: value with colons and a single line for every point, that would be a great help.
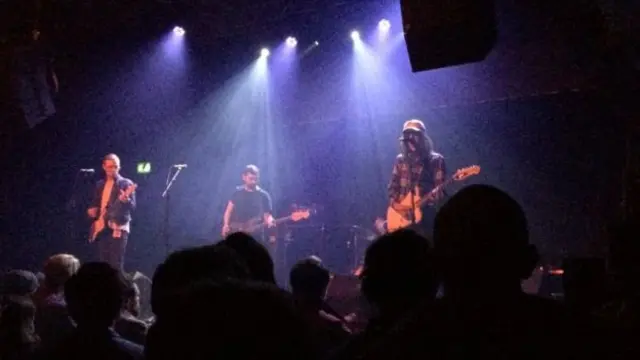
x: 178, y: 31
x: 264, y: 52
x: 291, y: 41
x: 355, y: 35
x: 315, y: 43
x: 384, y: 25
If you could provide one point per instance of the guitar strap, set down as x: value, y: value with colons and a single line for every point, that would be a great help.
x: 107, y: 195
x: 427, y: 179
x: 419, y: 179
x: 262, y: 230
x: 411, y: 164
x: 259, y: 190
x: 427, y: 172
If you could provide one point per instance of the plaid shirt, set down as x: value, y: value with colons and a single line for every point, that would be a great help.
x: 404, y: 177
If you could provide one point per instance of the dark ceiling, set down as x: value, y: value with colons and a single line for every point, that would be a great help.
x: 84, y: 20
x: 575, y: 39
x: 73, y: 21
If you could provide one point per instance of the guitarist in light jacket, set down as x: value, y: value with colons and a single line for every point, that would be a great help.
x: 417, y: 166
x: 113, y: 202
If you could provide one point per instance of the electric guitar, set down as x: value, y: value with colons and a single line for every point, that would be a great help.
x: 100, y: 223
x: 399, y: 219
x: 258, y: 223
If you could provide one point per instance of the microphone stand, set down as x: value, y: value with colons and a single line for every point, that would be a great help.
x: 71, y: 206
x: 411, y: 182
x: 71, y: 203
x: 165, y: 195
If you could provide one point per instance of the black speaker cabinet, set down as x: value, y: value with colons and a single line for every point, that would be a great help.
x: 442, y: 33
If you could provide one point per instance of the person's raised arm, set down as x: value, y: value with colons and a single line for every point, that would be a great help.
x: 226, y: 218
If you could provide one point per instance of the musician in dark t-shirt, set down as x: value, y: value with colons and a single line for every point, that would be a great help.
x: 248, y: 203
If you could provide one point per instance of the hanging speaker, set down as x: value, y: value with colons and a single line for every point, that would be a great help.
x: 442, y: 33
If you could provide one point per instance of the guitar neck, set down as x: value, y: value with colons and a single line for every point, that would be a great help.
x: 282, y: 219
x: 436, y: 189
x: 255, y: 227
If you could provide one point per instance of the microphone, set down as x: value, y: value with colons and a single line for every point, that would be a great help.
x: 179, y: 166
x: 87, y: 170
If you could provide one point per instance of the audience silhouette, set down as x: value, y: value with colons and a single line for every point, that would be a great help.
x: 94, y: 298
x: 483, y: 253
x: 190, y: 265
x: 309, y: 280
x: 399, y: 276
x: 254, y: 254
x: 221, y: 301
x: 128, y: 325
x: 18, y: 339
x: 52, y: 317
x: 230, y: 319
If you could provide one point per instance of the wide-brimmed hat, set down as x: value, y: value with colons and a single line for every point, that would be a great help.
x: 414, y: 125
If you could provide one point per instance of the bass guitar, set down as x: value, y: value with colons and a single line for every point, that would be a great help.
x: 258, y: 223
x: 399, y: 215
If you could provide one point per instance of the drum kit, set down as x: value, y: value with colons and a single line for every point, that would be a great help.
x: 342, y: 247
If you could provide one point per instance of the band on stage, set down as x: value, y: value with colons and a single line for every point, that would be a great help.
x: 416, y: 184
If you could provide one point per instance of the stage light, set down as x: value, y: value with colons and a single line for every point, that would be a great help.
x: 316, y: 43
x: 291, y: 41
x: 178, y: 31
x: 355, y: 35
x: 264, y: 52
x: 384, y: 25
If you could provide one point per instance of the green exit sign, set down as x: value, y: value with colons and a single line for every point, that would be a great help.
x: 144, y: 167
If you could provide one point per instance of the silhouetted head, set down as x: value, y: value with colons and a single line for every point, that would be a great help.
x: 183, y: 267
x: 18, y: 282
x: 399, y: 271
x: 254, y: 254
x: 58, y: 269
x: 624, y: 251
x: 229, y: 319
x: 309, y: 280
x: 481, y: 239
x: 17, y: 315
x: 131, y: 297
x: 94, y: 295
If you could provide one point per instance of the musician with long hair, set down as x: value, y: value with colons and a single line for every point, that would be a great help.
x: 418, y: 169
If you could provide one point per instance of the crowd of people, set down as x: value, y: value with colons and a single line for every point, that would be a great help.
x: 457, y: 295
